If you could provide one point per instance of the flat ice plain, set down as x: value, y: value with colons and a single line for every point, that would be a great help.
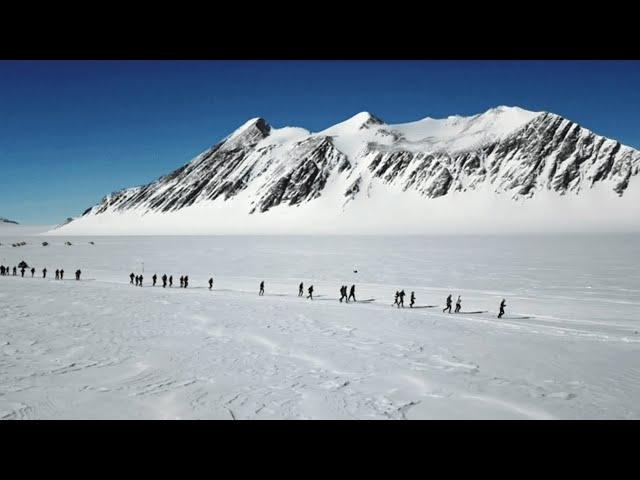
x: 568, y: 346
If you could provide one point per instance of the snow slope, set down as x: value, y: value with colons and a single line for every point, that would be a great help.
x: 100, y: 348
x: 261, y: 179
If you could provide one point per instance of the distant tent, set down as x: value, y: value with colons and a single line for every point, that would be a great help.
x: 23, y: 264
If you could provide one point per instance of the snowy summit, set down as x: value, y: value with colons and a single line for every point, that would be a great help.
x: 308, y: 182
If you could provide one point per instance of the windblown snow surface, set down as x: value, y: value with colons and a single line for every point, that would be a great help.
x: 568, y: 346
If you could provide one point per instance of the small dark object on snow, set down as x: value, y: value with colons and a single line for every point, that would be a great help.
x: 45, y: 244
x: 23, y: 264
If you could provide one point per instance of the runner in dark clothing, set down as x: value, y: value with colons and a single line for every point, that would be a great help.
x: 164, y: 281
x: 57, y: 274
x: 352, y: 293
x: 401, y: 302
x: 343, y: 293
x: 300, y: 289
x: 310, y: 290
x: 137, y: 280
x: 33, y: 271
x: 170, y: 280
x: 412, y: 300
x: 397, y: 299
x: 448, y: 307
x: 141, y: 279
x: 61, y: 274
x: 155, y: 279
x: 181, y: 281
x: 22, y: 272
x: 131, y: 277
x: 503, y: 304
x: 210, y: 283
x: 44, y: 273
x: 78, y: 272
x: 458, y: 304
x: 261, y: 292
x: 186, y: 281
x: 2, y: 270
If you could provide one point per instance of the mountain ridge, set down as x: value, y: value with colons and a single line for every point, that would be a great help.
x: 505, y: 150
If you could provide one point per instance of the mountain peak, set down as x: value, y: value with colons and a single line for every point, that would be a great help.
x: 505, y: 109
x: 257, y: 123
x: 359, y: 121
x: 252, y: 131
x: 364, y: 119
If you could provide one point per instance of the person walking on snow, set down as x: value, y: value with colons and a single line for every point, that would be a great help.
x: 22, y: 272
x: 412, y: 300
x: 61, y: 274
x: 170, y: 281
x: 503, y: 304
x: 343, y: 293
x: 141, y: 279
x: 181, y: 281
x: 131, y: 277
x: 210, y: 283
x: 33, y: 271
x: 44, y: 273
x: 396, y: 301
x: 401, y: 303
x: 57, y: 274
x: 448, y: 307
x: 154, y: 279
x: 300, y: 289
x: 352, y: 293
x: 261, y: 292
x: 78, y: 272
x: 186, y: 281
x: 164, y: 280
x: 458, y: 304
x: 310, y: 292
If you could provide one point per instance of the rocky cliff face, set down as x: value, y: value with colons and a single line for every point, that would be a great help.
x: 508, y: 151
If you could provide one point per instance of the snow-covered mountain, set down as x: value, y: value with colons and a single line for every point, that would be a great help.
x: 505, y: 152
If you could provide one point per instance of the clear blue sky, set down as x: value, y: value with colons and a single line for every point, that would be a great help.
x: 73, y: 131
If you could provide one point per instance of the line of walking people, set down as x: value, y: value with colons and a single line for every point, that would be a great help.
x: 399, y: 299
x: 343, y: 292
x: 503, y: 304
x: 5, y: 271
x: 137, y: 280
